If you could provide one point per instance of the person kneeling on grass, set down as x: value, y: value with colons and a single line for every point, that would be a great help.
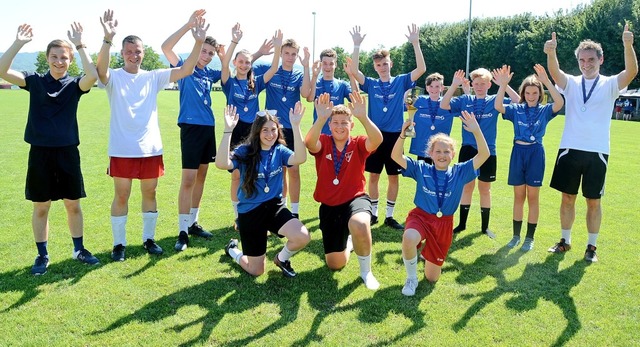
x: 438, y: 192
x: 260, y: 208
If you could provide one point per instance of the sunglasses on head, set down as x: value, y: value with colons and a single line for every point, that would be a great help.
x: 267, y: 112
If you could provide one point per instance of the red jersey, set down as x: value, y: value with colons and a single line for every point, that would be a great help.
x: 350, y: 179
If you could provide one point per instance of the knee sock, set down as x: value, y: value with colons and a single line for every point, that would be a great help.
x: 118, y: 228
x: 149, y: 221
x: 374, y: 207
x: 77, y: 243
x: 295, y: 207
x: 593, y: 237
x: 195, y: 211
x: 184, y: 222
x: 365, y: 264
x: 391, y: 205
x: 42, y: 248
x: 485, y: 212
x: 285, y: 254
x: 531, y: 230
x: 517, y: 227
x: 411, y: 265
x: 566, y: 235
x: 464, y: 214
x: 236, y: 254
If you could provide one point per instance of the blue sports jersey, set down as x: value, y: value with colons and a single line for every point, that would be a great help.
x: 274, y: 175
x: 529, y: 123
x: 283, y: 91
x: 245, y: 101
x: 429, y: 114
x: 485, y: 113
x: 456, y: 177
x: 195, y: 96
x: 338, y: 91
x: 387, y: 96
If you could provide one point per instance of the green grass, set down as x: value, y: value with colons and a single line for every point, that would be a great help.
x: 487, y: 295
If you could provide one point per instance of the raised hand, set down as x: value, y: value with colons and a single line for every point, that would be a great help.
x: 296, y: 113
x: 466, y: 86
x: 277, y: 39
x: 469, y: 122
x: 356, y: 36
x: 109, y: 24
x: 75, y: 34
x: 347, y: 65
x: 407, y: 123
x: 193, y: 20
x: 541, y: 74
x: 551, y: 45
x: 315, y: 68
x: 458, y: 78
x: 266, y: 48
x: 307, y: 56
x: 358, y: 105
x: 230, y: 118
x: 236, y: 33
x: 199, y: 31
x: 24, y: 34
x: 627, y: 36
x: 414, y: 33
x: 503, y: 75
x: 324, y: 107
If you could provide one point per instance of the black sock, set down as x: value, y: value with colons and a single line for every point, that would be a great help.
x: 77, y: 243
x: 517, y: 226
x: 484, y: 213
x: 531, y: 229
x: 464, y: 214
x: 42, y: 248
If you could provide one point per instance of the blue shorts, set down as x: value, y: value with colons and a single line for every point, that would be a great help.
x: 526, y: 165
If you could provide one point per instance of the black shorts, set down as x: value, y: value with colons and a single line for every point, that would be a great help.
x: 198, y: 145
x: 253, y: 225
x: 573, y: 165
x: 288, y: 138
x: 334, y: 222
x: 54, y: 173
x: 382, y: 156
x: 487, y: 170
x: 240, y: 133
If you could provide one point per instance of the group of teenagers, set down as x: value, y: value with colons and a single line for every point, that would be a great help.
x: 263, y: 148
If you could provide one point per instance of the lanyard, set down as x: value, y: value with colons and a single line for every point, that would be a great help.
x: 337, y: 160
x: 439, y: 193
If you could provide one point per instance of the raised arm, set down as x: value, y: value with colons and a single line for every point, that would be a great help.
x: 236, y: 36
x: 470, y: 124
x: 265, y: 49
x: 305, y: 89
x: 324, y: 107
x: 300, y: 153
x: 199, y: 32
x: 558, y: 100
x: 630, y: 60
x: 398, y: 147
x: 414, y: 38
x: 357, y: 38
x: 315, y: 72
x: 552, y: 62
x: 90, y: 73
x: 502, y: 77
x: 358, y: 106
x: 223, y: 159
x: 23, y: 36
x: 277, y: 48
x: 109, y: 25
x: 352, y: 78
x: 458, y: 77
x: 171, y: 41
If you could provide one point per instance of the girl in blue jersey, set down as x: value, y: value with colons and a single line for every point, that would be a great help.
x: 260, y: 160
x: 242, y: 91
x: 526, y: 167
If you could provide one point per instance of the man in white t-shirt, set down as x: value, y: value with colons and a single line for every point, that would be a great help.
x: 135, y: 145
x: 584, y: 148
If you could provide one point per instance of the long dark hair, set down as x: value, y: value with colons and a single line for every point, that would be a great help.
x: 251, y: 160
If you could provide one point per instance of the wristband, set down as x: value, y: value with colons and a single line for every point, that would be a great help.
x: 107, y: 42
x: 78, y: 47
x: 356, y: 46
x: 400, y: 137
x: 234, y: 42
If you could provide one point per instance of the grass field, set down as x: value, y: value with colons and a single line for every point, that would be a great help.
x: 487, y: 295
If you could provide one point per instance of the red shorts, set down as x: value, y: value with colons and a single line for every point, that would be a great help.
x: 140, y: 168
x: 436, y: 234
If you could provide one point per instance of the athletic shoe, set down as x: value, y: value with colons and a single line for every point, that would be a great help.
x: 514, y: 241
x: 85, y: 257
x: 285, y: 266
x: 118, y: 253
x: 410, y: 286
x: 560, y: 247
x: 590, y: 254
x: 196, y: 230
x: 40, y: 266
x: 527, y: 245
x: 374, y: 220
x: 183, y: 242
x: 392, y: 223
x: 233, y: 243
x: 370, y: 281
x: 152, y: 247
x: 489, y: 233
x: 459, y: 229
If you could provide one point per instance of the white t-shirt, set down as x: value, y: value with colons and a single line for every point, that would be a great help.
x: 588, y: 130
x: 134, y: 129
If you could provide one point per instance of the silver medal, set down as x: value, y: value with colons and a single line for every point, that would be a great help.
x: 532, y: 138
x: 384, y: 109
x: 439, y: 214
x: 335, y: 181
x: 266, y: 189
x: 284, y: 98
x: 583, y: 108
x: 206, y: 102
x: 246, y: 109
x: 433, y: 127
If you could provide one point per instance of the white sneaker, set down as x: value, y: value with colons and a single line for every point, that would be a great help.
x: 410, y: 286
x: 370, y: 281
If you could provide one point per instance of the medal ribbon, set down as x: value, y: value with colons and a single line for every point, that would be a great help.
x: 385, y: 90
x: 585, y: 96
x: 433, y: 110
x: 337, y: 164
x: 439, y: 193
x: 531, y: 119
x: 266, y: 171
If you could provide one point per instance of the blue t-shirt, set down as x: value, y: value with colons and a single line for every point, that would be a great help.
x: 485, y: 113
x: 245, y: 101
x: 52, y: 120
x: 529, y: 123
x: 456, y: 177
x: 387, y: 96
x: 260, y: 68
x: 270, y: 166
x: 338, y: 91
x: 429, y: 114
x: 195, y: 96
x: 283, y: 91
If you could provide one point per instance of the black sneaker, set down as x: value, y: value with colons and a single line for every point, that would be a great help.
x: 459, y: 229
x: 233, y: 243
x: 285, y: 266
x: 560, y: 247
x: 590, y: 254
x: 40, y: 265
x: 183, y: 241
x: 392, y: 223
x: 374, y: 220
x: 196, y: 230
x: 152, y: 247
x: 85, y: 256
x: 118, y: 253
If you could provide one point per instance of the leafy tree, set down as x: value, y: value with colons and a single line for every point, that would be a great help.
x: 42, y: 65
x: 150, y: 62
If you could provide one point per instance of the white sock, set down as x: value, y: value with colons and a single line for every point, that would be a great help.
x: 236, y: 254
x: 365, y: 264
x: 294, y: 207
x: 349, y: 247
x: 593, y: 237
x: 149, y: 221
x: 411, y: 265
x: 183, y: 222
x: 566, y: 235
x: 118, y: 228
x: 194, y: 215
x: 374, y: 207
x: 284, y: 201
x: 391, y: 205
x: 285, y: 254
x: 235, y: 207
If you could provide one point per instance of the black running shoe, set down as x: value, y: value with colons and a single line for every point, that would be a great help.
x: 196, y: 230
x: 40, y: 265
x: 152, y: 247
x: 285, y: 266
x: 182, y: 243
x: 118, y: 253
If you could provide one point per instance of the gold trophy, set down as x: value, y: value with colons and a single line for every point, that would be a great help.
x: 411, y: 110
